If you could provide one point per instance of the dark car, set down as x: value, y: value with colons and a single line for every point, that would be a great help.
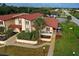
x: 2, y: 38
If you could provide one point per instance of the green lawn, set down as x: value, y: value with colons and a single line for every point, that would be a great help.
x: 76, y: 14
x: 69, y: 42
x: 21, y: 51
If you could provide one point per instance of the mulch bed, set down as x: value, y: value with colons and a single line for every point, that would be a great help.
x: 58, y: 35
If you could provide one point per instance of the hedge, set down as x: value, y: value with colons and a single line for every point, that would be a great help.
x: 34, y: 35
x: 2, y: 29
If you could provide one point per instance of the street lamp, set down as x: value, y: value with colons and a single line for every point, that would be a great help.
x: 73, y: 53
x: 44, y: 50
x: 70, y: 28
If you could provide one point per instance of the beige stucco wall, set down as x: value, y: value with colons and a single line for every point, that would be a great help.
x: 9, y: 22
x: 17, y: 21
x: 3, y: 25
x: 45, y: 39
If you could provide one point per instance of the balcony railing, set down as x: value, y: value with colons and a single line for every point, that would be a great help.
x: 1, y: 25
x: 46, y: 32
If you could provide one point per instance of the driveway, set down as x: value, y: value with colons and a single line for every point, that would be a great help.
x: 52, y: 45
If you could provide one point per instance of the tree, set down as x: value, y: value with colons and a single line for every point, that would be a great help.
x: 2, y: 30
x: 34, y: 35
x: 69, y: 18
x: 9, y: 33
x: 3, y: 4
x: 39, y: 24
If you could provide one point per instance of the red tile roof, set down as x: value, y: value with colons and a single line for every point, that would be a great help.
x: 1, y: 21
x: 7, y: 17
x: 51, y: 22
x: 31, y: 17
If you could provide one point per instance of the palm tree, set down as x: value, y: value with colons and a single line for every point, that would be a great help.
x: 39, y: 24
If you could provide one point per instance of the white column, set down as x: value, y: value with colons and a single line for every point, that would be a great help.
x: 30, y: 26
x: 23, y: 25
x: 17, y: 21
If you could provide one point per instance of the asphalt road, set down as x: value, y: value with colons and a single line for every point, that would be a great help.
x: 74, y: 19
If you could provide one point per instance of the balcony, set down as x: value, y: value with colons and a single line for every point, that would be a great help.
x: 1, y: 25
x: 48, y: 33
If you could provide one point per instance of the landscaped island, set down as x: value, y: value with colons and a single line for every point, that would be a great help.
x: 28, y: 37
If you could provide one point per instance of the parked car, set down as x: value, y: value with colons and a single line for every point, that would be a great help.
x: 3, y: 38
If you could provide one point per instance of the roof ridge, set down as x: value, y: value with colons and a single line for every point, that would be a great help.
x: 18, y: 14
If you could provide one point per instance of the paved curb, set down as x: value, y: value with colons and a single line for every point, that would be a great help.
x: 52, y: 46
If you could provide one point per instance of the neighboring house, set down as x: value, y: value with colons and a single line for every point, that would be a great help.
x: 48, y: 31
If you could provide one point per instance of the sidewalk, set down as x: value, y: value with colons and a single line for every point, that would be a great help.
x: 52, y: 46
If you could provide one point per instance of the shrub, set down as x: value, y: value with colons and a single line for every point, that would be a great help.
x: 9, y: 33
x: 34, y: 35
x: 2, y: 29
x: 69, y: 18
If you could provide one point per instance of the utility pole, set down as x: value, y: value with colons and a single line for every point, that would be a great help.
x: 28, y: 9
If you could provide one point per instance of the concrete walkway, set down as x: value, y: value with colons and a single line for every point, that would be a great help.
x: 2, y: 46
x: 11, y: 40
x: 52, y: 46
x: 31, y: 46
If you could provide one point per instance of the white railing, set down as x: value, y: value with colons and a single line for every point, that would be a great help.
x: 46, y: 32
x: 1, y: 25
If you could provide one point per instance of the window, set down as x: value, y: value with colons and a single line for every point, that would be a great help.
x: 1, y: 23
x: 19, y: 21
x: 27, y: 29
x: 27, y: 22
x: 47, y: 29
